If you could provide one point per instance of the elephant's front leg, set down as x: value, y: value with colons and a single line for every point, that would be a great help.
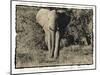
x: 57, y: 43
x: 51, y: 41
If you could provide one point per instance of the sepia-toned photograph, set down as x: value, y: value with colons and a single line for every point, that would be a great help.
x: 53, y: 36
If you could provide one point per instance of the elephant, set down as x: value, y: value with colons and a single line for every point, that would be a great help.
x: 53, y: 22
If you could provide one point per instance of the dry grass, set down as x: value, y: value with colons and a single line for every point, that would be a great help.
x: 73, y: 55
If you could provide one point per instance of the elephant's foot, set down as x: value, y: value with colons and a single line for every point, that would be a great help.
x: 50, y: 55
x: 56, y: 55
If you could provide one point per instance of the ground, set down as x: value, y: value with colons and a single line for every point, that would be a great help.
x: 68, y: 56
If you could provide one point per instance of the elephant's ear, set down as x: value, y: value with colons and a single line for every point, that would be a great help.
x: 68, y: 17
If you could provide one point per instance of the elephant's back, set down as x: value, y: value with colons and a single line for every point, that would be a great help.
x: 42, y: 16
